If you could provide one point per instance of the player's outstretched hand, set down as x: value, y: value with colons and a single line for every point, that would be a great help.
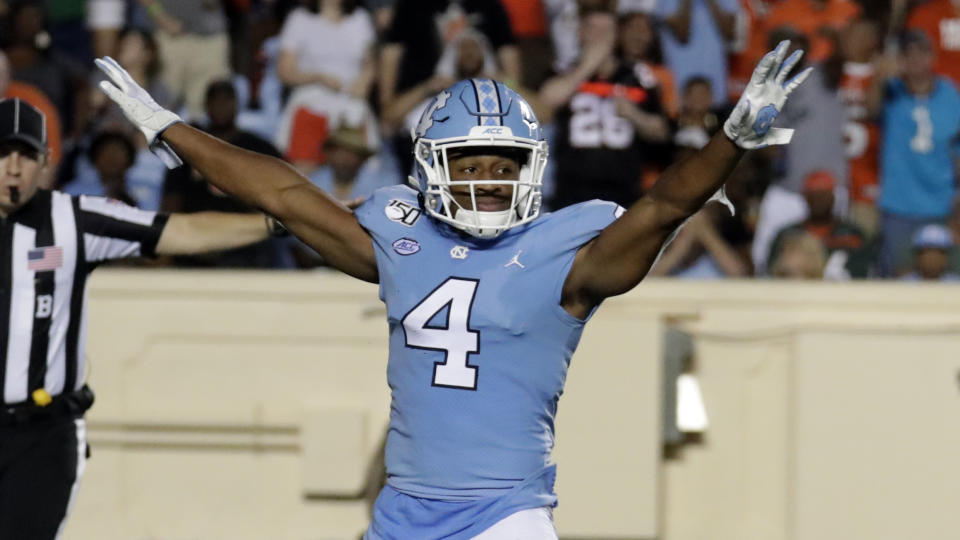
x: 139, y: 107
x: 750, y: 123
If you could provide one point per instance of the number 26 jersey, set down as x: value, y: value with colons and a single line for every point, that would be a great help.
x: 479, y: 344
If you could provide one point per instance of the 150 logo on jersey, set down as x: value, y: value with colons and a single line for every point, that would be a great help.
x: 402, y: 212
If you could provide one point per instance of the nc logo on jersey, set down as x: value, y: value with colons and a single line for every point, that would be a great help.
x: 459, y: 252
x: 402, y: 212
x: 406, y: 246
x: 426, y: 121
x: 765, y: 119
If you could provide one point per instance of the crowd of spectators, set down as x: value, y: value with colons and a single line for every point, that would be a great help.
x: 867, y: 188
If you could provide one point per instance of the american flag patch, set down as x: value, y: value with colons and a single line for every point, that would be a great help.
x: 45, y: 259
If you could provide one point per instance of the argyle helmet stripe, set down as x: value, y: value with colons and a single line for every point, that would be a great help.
x: 488, y: 102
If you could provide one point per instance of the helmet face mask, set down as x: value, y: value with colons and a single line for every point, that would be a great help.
x: 455, y: 122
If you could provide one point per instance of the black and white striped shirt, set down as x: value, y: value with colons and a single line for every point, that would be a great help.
x: 47, y: 249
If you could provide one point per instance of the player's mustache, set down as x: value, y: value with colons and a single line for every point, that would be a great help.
x: 495, y: 193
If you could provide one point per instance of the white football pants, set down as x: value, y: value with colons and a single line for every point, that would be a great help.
x: 532, y: 524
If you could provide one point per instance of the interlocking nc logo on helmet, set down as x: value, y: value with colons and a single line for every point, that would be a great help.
x: 426, y: 121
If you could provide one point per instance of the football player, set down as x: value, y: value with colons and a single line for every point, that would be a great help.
x: 486, y: 298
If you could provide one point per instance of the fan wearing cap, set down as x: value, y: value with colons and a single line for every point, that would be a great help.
x: 49, y: 243
x: 350, y: 173
x: 931, y: 246
x: 845, y: 242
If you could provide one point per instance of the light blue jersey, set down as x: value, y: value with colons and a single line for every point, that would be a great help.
x: 479, y: 350
x: 919, y: 148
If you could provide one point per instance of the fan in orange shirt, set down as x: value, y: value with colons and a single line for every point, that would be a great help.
x: 858, y: 46
x: 940, y: 19
x: 749, y: 45
x: 637, y: 43
x: 819, y: 20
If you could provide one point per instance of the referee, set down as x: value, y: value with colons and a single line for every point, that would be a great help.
x: 49, y: 244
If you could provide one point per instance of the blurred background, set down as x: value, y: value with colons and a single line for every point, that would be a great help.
x: 242, y: 404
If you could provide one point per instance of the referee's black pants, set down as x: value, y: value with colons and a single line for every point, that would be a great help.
x: 41, y: 462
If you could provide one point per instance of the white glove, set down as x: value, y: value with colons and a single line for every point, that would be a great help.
x: 749, y: 125
x: 140, y: 108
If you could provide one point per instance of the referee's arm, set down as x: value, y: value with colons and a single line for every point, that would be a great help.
x: 189, y: 234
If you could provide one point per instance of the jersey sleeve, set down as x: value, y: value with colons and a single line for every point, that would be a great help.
x: 373, y: 214
x: 114, y: 230
x: 569, y: 229
x: 391, y: 216
x: 580, y: 223
x: 388, y: 213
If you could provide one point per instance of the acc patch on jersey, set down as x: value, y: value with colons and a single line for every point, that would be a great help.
x: 402, y: 212
x: 406, y: 246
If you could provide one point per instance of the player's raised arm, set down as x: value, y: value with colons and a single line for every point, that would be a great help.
x: 258, y: 180
x: 622, y: 254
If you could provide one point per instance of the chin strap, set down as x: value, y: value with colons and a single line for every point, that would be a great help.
x: 476, y: 223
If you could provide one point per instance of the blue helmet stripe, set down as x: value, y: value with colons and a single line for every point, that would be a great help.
x: 476, y: 95
x: 496, y: 95
x: 488, y: 102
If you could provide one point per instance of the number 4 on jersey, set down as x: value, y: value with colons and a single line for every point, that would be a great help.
x: 454, y: 338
